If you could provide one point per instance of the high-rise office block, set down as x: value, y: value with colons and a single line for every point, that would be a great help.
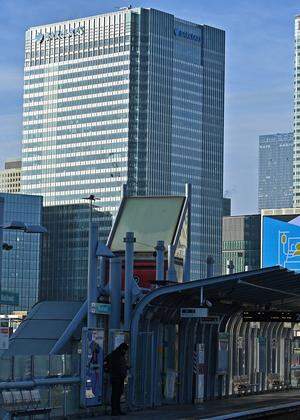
x: 241, y: 242
x: 137, y: 97
x: 21, y: 261
x: 10, y: 176
x: 296, y: 179
x: 275, y: 173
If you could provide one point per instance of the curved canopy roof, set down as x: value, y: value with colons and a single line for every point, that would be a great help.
x: 274, y: 286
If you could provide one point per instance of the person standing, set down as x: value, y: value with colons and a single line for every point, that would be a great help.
x: 115, y: 364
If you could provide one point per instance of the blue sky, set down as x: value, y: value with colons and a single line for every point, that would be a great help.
x: 259, y: 72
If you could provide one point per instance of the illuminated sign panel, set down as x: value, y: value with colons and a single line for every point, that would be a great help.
x: 281, y: 241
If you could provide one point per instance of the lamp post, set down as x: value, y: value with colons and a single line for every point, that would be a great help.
x: 92, y: 266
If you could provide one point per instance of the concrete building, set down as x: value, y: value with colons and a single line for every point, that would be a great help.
x: 10, y: 176
x: 21, y: 265
x: 296, y: 178
x: 241, y: 242
x: 136, y: 97
x: 275, y: 174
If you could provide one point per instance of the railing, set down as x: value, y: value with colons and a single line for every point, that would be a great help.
x: 57, y: 377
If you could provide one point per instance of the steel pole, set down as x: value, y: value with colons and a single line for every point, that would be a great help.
x: 187, y: 256
x: 160, y: 261
x: 129, y: 261
x: 171, y: 273
x: 115, y: 277
x: 92, y: 291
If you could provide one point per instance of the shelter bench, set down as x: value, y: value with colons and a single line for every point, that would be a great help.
x: 25, y: 402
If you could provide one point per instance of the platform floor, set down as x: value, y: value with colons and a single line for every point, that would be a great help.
x: 211, y: 409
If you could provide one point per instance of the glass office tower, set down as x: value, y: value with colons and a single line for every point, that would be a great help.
x: 275, y: 171
x: 296, y: 179
x: 21, y: 265
x: 137, y: 97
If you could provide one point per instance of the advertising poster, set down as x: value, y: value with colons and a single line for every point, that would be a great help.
x: 281, y: 241
x: 92, y: 366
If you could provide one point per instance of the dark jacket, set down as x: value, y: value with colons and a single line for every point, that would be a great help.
x: 115, y: 364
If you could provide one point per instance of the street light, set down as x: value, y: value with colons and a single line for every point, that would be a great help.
x: 92, y: 270
x: 91, y: 199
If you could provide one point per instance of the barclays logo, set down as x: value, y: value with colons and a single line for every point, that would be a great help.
x: 187, y: 35
x: 39, y: 37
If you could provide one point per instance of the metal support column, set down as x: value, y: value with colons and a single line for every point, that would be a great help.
x: 171, y: 273
x: 187, y: 257
x: 92, y: 275
x: 115, y: 274
x: 129, y: 261
x: 160, y: 247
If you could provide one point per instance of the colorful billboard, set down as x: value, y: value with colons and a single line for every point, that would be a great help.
x: 281, y: 241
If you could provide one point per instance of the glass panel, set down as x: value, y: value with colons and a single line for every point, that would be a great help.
x: 57, y: 400
x: 22, y: 368
x: 56, y: 365
x: 45, y: 397
x: 41, y: 366
x: 5, y: 368
x: 76, y: 364
x: 162, y: 215
x: 72, y: 399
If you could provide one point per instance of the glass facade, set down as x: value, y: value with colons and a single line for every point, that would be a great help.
x: 21, y: 266
x: 275, y: 173
x: 65, y: 250
x: 136, y: 97
x: 241, y: 242
x: 296, y: 173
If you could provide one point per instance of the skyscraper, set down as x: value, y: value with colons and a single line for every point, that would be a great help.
x: 296, y: 179
x: 137, y: 97
x: 275, y: 173
x: 10, y: 176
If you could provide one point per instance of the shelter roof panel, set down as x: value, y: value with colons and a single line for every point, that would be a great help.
x: 150, y: 218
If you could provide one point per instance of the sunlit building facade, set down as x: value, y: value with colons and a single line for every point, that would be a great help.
x: 137, y: 97
x: 10, y: 176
